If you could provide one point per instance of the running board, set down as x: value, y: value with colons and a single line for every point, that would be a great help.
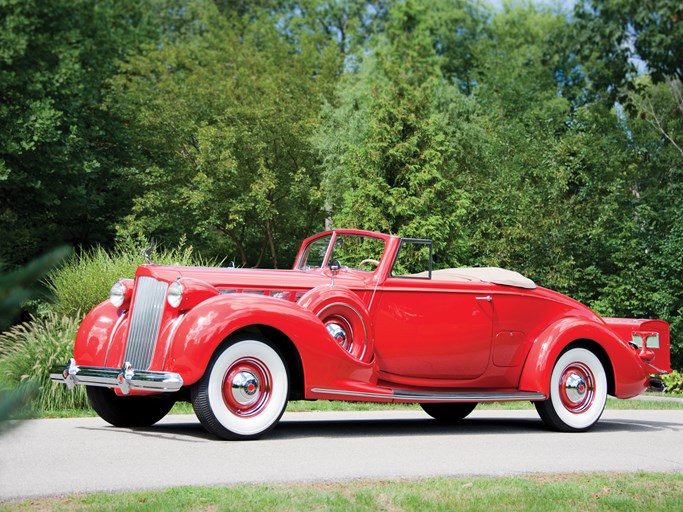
x: 459, y: 396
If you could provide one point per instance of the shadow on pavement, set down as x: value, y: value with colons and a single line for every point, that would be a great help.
x: 391, y: 427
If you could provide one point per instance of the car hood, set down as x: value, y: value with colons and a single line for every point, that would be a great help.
x: 230, y: 279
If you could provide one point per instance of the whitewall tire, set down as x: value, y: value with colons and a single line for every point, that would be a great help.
x: 578, y: 392
x: 244, y: 390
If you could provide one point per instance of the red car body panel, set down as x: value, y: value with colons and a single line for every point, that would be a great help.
x: 631, y: 375
x: 419, y: 335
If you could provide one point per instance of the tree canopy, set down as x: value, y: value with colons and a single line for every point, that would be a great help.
x: 523, y: 136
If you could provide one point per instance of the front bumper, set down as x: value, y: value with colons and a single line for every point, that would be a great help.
x: 125, y: 379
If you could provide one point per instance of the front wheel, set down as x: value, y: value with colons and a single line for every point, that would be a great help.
x: 578, y: 392
x: 244, y: 390
x: 128, y: 411
x: 448, y: 412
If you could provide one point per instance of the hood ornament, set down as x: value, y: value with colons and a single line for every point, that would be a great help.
x: 147, y: 253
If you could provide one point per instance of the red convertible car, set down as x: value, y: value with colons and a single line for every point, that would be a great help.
x: 361, y: 316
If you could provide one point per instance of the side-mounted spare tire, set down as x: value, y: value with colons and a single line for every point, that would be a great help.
x: 346, y: 318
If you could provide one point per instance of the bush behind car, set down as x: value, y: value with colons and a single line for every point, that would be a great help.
x: 28, y: 350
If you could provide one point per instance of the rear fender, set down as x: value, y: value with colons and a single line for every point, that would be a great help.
x: 649, y: 336
x: 630, y: 375
x: 206, y: 326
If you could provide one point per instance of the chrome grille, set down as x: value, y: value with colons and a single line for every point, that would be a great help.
x: 145, y: 321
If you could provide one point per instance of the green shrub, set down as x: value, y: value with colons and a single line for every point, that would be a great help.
x: 86, y: 278
x: 29, y: 350
x: 674, y: 382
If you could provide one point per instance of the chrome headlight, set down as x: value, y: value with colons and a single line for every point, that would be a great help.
x: 175, y: 294
x: 117, y: 294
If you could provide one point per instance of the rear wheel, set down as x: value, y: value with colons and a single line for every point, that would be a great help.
x: 578, y: 392
x: 448, y: 412
x: 244, y: 390
x: 128, y: 411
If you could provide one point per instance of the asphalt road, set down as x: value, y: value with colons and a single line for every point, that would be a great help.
x: 66, y: 456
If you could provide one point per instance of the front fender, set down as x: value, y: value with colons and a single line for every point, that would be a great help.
x: 206, y: 326
x: 630, y: 375
x: 96, y: 332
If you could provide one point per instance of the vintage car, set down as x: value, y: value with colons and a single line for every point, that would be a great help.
x: 362, y: 316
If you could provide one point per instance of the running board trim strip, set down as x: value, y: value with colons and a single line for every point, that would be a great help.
x: 417, y: 396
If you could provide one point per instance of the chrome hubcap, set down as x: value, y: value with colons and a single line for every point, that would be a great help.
x: 337, y: 332
x: 340, y: 330
x: 577, y: 388
x: 245, y: 388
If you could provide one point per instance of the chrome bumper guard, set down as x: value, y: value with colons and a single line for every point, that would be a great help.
x: 125, y: 379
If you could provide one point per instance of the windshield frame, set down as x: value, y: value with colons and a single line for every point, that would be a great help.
x: 304, y: 258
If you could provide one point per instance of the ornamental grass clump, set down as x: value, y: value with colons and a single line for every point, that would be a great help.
x: 30, y: 349
x: 85, y: 279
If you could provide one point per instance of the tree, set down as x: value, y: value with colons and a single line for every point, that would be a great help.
x: 522, y: 214
x: 654, y: 104
x: 455, y: 28
x: 58, y: 179
x: 402, y: 141
x: 344, y: 25
x: 612, y: 36
x: 632, y: 52
x: 221, y: 119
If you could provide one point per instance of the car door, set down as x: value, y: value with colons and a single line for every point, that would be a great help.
x: 433, y: 330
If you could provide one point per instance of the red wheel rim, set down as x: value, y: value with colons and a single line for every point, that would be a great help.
x: 247, y: 387
x: 577, y: 387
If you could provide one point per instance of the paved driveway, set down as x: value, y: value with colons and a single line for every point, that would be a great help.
x: 65, y: 456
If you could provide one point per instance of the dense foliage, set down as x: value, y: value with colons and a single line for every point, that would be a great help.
x: 30, y: 349
x: 550, y: 142
x: 28, y: 352
x: 85, y: 280
x: 16, y: 288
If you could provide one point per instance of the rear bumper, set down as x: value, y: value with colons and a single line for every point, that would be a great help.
x: 125, y: 379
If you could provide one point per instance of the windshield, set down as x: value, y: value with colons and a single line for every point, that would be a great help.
x: 357, y: 252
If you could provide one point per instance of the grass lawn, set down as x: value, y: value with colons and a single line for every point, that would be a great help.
x: 585, y: 492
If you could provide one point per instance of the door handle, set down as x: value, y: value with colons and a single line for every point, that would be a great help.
x: 487, y: 298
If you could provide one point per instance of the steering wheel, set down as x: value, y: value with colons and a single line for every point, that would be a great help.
x: 368, y: 260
